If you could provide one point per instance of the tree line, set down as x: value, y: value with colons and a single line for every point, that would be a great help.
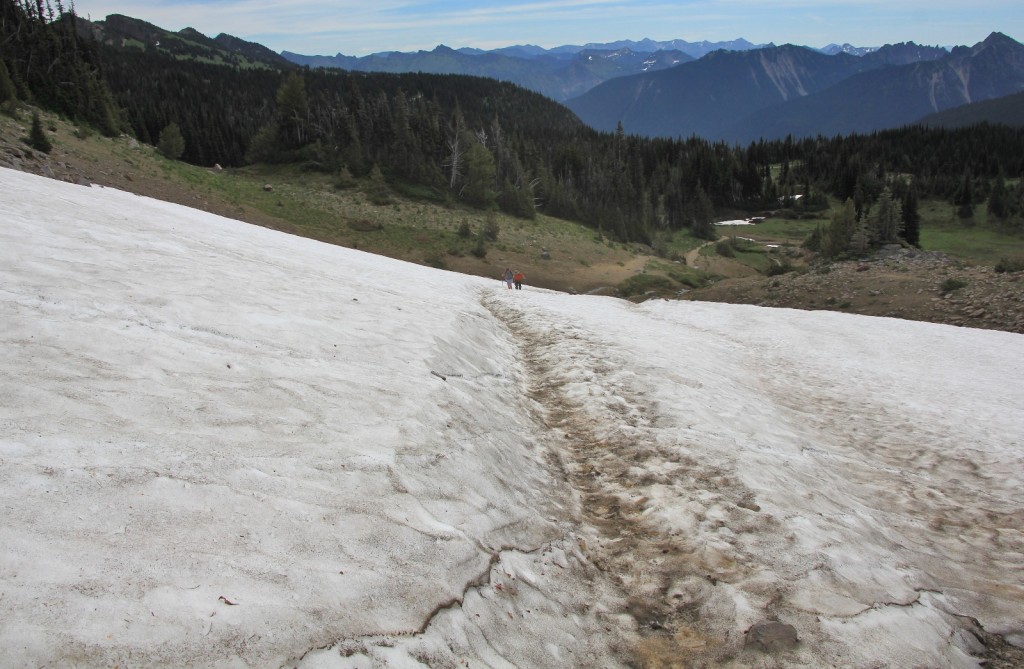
x: 490, y: 144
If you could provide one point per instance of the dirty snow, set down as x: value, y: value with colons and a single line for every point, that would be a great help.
x: 225, y: 446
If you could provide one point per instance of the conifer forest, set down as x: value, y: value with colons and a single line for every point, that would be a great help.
x: 479, y: 141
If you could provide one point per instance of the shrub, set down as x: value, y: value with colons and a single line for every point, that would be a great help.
x: 640, y: 284
x: 379, y: 194
x: 777, y: 268
x: 435, y: 261
x: 345, y: 179
x: 479, y: 249
x: 951, y: 284
x: 491, y: 229
x: 464, y: 230
x: 686, y: 278
x: 377, y: 190
x: 1015, y: 264
x: 725, y: 248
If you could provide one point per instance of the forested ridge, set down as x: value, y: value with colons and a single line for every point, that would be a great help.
x: 482, y: 142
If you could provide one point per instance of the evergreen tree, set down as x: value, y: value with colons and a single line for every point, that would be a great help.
x: 997, y: 199
x: 860, y: 241
x: 263, y: 146
x: 911, y: 217
x: 963, y: 199
x: 171, y: 143
x: 885, y: 222
x: 293, y: 110
x: 837, y: 238
x: 479, y: 187
x: 814, y: 240
x: 702, y: 212
x: 37, y: 138
x: 860, y: 200
x: 1016, y: 199
x: 8, y: 92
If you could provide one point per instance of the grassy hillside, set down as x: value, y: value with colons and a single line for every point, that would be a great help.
x: 422, y: 227
x: 406, y: 223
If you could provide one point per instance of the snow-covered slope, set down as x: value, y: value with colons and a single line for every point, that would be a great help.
x: 225, y: 446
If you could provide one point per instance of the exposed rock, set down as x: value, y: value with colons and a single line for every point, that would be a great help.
x: 771, y: 637
x: 748, y: 504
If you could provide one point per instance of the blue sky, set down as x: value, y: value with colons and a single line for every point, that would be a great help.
x: 359, y: 27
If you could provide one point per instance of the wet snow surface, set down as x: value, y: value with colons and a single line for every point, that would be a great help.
x: 225, y: 446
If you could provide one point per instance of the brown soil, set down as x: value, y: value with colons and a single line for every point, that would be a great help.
x: 897, y: 283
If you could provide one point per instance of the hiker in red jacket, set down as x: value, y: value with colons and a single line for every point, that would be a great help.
x: 518, y: 278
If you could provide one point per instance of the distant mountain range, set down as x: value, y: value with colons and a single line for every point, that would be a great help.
x: 559, y: 76
x: 569, y: 71
x: 777, y: 91
x: 560, y: 73
x: 732, y: 91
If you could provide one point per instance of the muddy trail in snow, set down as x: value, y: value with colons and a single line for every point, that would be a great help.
x: 668, y: 580
x: 715, y: 583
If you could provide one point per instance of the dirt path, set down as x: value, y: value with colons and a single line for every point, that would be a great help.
x: 612, y: 457
x: 692, y: 255
x: 697, y: 573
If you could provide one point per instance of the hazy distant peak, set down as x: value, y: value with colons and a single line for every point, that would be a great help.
x: 846, y: 47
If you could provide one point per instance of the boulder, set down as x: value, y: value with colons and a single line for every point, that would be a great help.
x: 770, y: 637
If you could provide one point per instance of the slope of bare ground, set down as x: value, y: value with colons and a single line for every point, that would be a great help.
x: 898, y: 283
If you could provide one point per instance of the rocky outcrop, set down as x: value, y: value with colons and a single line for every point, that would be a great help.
x: 16, y: 154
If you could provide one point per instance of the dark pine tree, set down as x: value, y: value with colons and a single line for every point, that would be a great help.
x: 911, y: 217
x: 37, y: 138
